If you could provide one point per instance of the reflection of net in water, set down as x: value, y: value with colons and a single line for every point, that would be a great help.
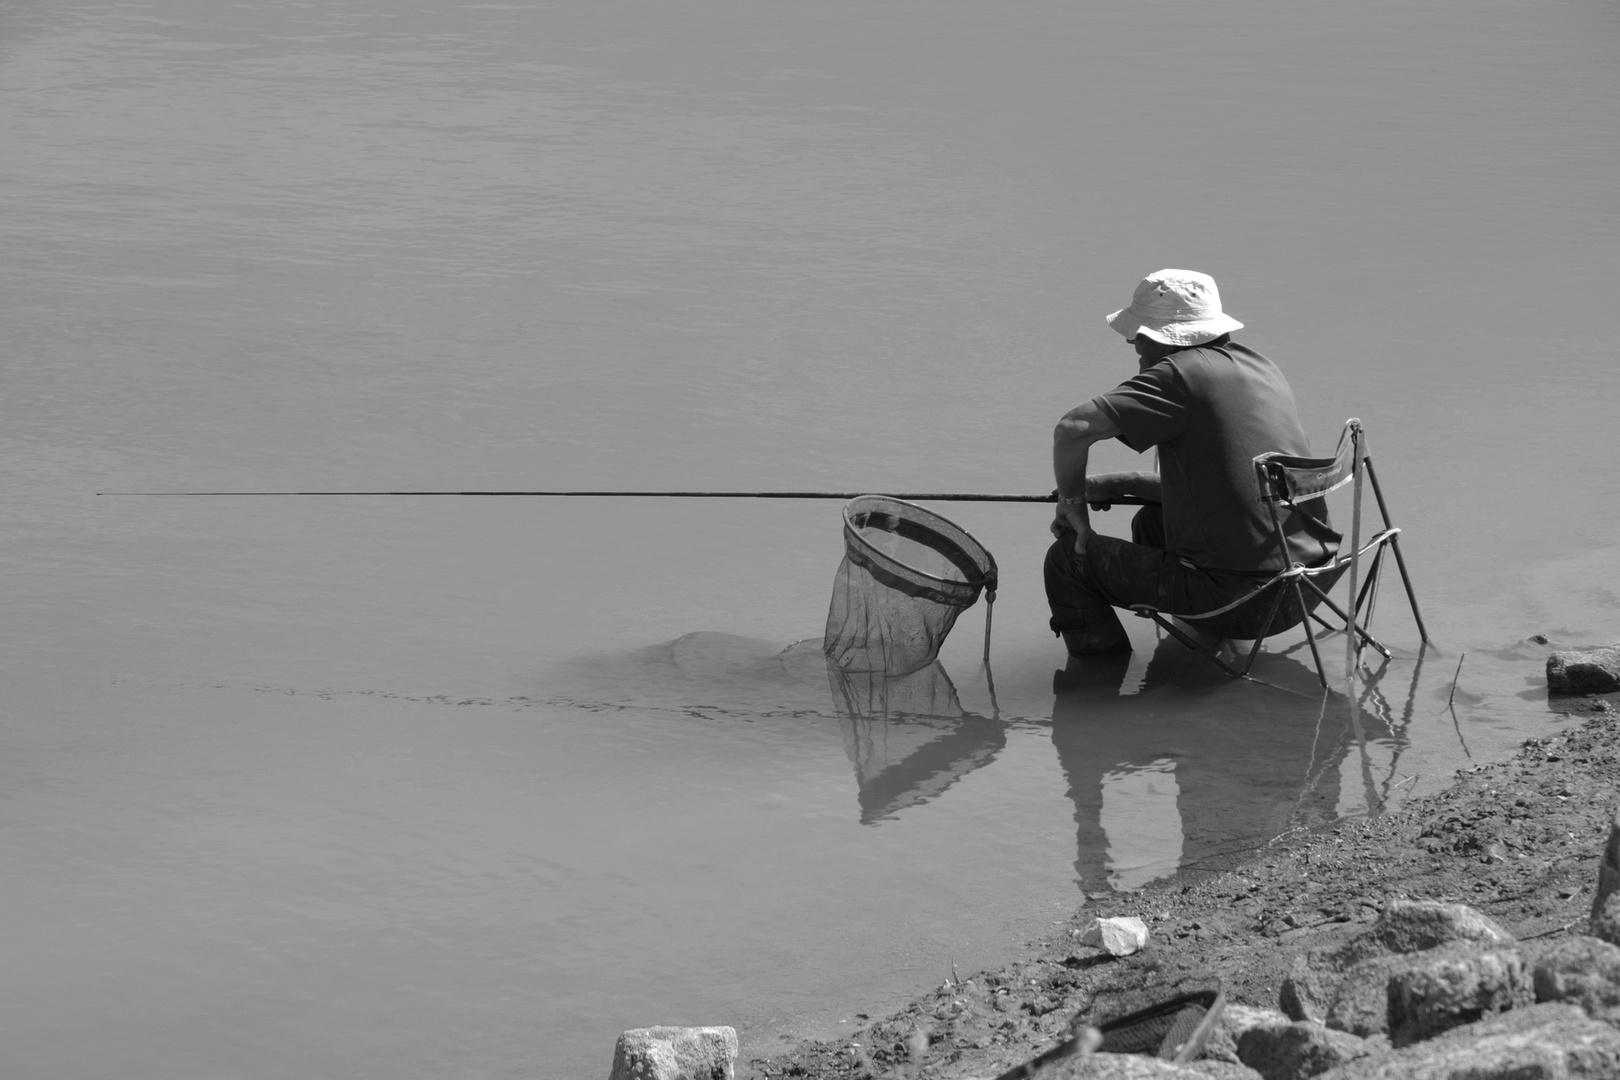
x: 907, y: 573
x: 908, y: 737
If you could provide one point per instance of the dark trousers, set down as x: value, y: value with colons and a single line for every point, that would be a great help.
x: 1083, y: 592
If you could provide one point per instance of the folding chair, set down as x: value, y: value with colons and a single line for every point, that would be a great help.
x: 1292, y: 596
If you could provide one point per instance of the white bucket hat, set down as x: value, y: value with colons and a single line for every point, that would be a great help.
x: 1175, y: 307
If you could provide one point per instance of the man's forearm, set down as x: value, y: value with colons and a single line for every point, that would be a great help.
x: 1071, y: 451
x: 1106, y: 487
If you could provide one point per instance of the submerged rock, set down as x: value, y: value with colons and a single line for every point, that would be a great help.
x: 675, y: 1053
x: 1584, y: 671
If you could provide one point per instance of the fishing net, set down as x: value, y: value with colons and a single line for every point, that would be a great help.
x: 907, y: 574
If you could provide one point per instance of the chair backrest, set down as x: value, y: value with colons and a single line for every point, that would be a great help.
x: 1290, y: 479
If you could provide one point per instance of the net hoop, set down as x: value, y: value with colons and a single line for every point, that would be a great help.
x: 974, y: 563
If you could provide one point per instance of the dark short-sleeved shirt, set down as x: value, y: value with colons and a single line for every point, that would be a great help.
x: 1210, y: 410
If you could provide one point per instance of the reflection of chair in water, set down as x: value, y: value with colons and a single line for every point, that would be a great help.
x: 908, y: 737
x: 1188, y: 772
x: 1290, y: 597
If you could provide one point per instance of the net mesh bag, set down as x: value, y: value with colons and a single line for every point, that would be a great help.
x: 907, y: 574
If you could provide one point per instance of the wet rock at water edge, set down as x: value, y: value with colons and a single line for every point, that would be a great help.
x: 1582, y: 971
x: 1451, y: 986
x: 675, y: 1053
x: 1584, y: 671
x: 1299, y: 1049
x: 1539, y: 1041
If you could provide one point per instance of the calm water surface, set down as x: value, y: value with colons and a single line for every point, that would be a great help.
x: 399, y: 787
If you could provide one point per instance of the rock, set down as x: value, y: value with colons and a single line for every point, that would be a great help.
x: 1297, y: 1050
x: 1315, y: 983
x: 1307, y: 990
x: 1554, y: 1042
x: 1608, y: 874
x: 1223, y: 1070
x: 675, y: 1053
x: 1361, y: 1003
x: 1118, y: 937
x: 1582, y: 971
x: 1116, y: 1067
x: 1584, y: 671
x: 1407, y: 926
x: 1605, y: 923
x: 1451, y: 986
x: 1234, y: 1020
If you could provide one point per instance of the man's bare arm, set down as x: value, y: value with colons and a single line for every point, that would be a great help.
x: 1071, y: 448
x: 1104, y: 488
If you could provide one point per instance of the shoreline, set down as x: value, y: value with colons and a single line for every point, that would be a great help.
x: 1519, y: 840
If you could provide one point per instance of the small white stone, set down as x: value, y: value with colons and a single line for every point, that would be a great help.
x: 1119, y: 936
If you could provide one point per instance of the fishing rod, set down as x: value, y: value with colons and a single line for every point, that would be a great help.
x: 912, y: 496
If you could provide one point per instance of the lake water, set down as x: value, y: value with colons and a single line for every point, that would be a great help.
x: 432, y: 787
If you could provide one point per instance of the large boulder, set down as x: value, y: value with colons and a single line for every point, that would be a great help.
x: 1538, y: 1042
x: 1315, y: 985
x: 1451, y: 986
x: 675, y: 1053
x: 1582, y: 971
x: 1584, y: 671
x: 1297, y: 1050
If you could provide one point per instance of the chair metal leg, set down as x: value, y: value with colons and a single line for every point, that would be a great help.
x: 1348, y: 621
x: 1299, y: 597
x: 1197, y: 647
x: 1371, y: 583
x: 1265, y: 628
x: 1411, y: 597
x: 1406, y: 578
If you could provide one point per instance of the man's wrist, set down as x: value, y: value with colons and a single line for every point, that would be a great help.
x: 1072, y: 502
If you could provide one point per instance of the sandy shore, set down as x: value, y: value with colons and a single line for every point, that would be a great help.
x: 1519, y: 840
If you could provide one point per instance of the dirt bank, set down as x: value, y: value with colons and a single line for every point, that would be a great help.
x: 1519, y: 840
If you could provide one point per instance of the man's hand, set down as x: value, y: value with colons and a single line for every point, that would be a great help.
x: 1102, y: 490
x: 1070, y: 521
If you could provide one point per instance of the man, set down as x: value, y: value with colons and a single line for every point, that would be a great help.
x: 1210, y: 406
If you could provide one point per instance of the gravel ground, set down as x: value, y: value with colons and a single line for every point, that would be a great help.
x: 1519, y: 840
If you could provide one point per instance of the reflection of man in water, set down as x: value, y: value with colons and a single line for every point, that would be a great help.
x: 1210, y: 406
x: 1191, y: 772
